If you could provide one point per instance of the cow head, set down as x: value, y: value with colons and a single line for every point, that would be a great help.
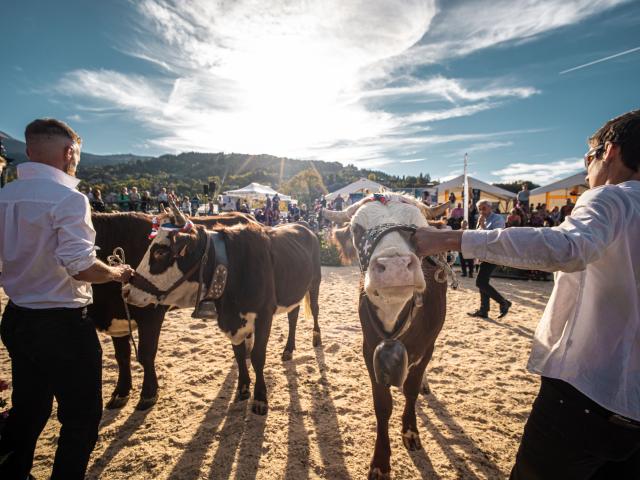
x: 392, y: 271
x: 174, y: 254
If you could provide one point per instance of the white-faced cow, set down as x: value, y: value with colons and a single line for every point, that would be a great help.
x: 244, y: 274
x: 130, y: 231
x: 402, y: 308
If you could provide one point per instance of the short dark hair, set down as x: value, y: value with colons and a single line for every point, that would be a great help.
x: 625, y: 132
x: 50, y: 127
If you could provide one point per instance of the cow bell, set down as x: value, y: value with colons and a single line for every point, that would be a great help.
x: 391, y: 363
x: 206, y: 310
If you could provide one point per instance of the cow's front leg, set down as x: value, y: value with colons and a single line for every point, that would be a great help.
x: 149, y: 336
x: 380, y: 468
x: 244, y: 381
x: 258, y: 357
x: 291, y: 339
x: 411, y: 388
x: 120, y: 395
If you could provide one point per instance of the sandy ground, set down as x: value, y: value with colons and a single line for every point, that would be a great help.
x: 321, y: 422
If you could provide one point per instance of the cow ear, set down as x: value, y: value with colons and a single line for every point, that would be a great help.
x: 180, y: 243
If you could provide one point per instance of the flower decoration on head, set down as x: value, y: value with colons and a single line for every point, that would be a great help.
x: 170, y: 227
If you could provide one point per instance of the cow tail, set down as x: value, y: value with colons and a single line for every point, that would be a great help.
x: 308, y: 315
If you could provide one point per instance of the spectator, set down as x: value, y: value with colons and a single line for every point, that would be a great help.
x: 97, y: 203
x: 145, y: 201
x: 452, y: 198
x: 338, y: 203
x: 185, y: 205
x: 489, y: 220
x: 163, y: 199
x: 457, y: 212
x: 555, y: 215
x: 123, y: 199
x: 134, y: 199
x: 514, y: 219
x: 566, y: 210
x: 195, y: 205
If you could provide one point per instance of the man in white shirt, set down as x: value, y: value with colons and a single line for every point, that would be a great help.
x: 48, y: 264
x: 585, y: 421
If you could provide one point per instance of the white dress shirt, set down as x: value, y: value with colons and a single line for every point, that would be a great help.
x: 46, y: 236
x: 589, y: 334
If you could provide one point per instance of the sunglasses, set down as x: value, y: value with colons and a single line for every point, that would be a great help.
x: 592, y: 154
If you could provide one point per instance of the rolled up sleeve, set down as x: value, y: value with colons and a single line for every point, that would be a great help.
x: 581, y: 239
x: 76, y: 237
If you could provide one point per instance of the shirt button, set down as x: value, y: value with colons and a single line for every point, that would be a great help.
x: 586, y: 410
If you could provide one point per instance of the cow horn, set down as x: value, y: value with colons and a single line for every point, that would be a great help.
x: 433, y: 212
x: 336, y: 216
x: 180, y: 219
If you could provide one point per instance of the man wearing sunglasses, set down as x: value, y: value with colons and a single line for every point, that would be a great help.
x: 585, y: 421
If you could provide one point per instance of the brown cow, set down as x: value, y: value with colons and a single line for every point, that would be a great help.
x: 248, y: 272
x: 130, y: 231
x: 402, y: 308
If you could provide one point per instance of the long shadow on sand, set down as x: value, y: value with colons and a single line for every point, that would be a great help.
x: 243, y: 432
x: 457, y: 436
x: 298, y: 439
x: 522, y: 331
x: 120, y: 442
x: 325, y: 417
x: 188, y: 466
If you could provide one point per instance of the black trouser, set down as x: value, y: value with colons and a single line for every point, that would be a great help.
x: 486, y: 290
x: 466, y: 264
x: 54, y: 353
x: 570, y: 437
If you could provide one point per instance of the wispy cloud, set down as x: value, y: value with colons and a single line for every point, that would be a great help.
x: 600, y: 60
x: 541, y: 173
x: 314, y: 79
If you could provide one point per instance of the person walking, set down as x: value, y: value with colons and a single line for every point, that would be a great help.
x: 48, y: 262
x: 489, y: 220
x: 585, y: 421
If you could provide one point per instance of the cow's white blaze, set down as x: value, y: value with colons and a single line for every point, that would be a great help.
x: 398, y: 209
x: 249, y: 327
x: 184, y: 296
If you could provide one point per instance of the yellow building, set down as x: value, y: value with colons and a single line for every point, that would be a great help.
x: 557, y: 193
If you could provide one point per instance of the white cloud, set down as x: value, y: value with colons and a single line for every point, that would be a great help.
x: 540, y: 173
x: 312, y: 79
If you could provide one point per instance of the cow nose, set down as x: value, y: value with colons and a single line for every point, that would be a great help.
x: 394, y: 271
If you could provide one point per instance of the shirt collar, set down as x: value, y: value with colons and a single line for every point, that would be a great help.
x: 31, y: 170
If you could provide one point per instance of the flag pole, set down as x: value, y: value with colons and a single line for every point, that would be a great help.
x: 465, y: 194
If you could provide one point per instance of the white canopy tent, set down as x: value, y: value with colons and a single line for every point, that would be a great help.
x: 256, y: 191
x: 362, y: 185
x: 487, y: 191
x: 557, y: 193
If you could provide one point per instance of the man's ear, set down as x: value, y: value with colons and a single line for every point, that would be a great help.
x: 180, y: 243
x: 611, y: 150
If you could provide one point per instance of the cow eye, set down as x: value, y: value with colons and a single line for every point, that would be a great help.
x: 161, y: 253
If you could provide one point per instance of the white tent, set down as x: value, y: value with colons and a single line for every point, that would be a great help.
x: 557, y: 193
x: 566, y: 183
x: 256, y: 191
x: 456, y: 184
x: 359, y: 186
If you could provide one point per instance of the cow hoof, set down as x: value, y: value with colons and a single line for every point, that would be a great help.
x: 243, y: 394
x: 146, y: 403
x: 375, y: 473
x: 286, y: 356
x: 411, y: 441
x: 116, y: 401
x: 259, y: 407
x: 317, y: 339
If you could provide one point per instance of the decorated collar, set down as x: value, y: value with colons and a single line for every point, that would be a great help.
x: 369, y: 241
x: 155, y: 227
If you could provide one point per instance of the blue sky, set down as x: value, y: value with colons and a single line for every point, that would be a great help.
x: 403, y: 86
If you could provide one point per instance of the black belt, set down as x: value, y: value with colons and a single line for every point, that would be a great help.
x: 586, y: 403
x: 36, y: 311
